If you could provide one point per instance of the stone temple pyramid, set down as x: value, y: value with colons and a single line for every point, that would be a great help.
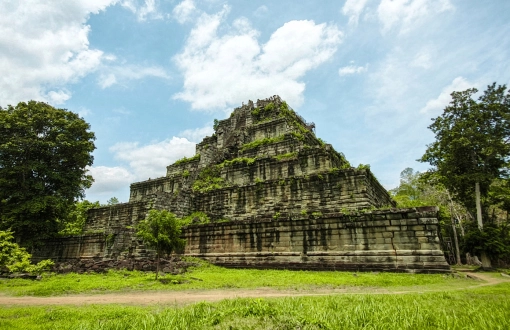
x: 276, y: 196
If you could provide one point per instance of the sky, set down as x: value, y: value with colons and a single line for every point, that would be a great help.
x: 150, y: 76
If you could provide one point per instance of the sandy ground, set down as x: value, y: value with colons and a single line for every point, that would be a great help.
x: 192, y: 296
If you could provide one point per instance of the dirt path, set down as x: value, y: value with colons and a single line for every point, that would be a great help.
x: 192, y: 296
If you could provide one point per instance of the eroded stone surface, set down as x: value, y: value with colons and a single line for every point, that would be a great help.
x: 277, y: 196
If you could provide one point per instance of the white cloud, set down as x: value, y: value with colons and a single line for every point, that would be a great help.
x: 184, y: 11
x: 408, y: 13
x: 150, y: 161
x: 261, y: 11
x: 141, y: 162
x: 197, y: 134
x: 223, y: 70
x: 121, y: 74
x: 148, y: 9
x: 423, y: 59
x: 353, y: 9
x: 44, y: 46
x: 109, y: 179
x: 435, y: 105
x: 352, y: 69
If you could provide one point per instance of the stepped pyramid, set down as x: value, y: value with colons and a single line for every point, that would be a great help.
x: 277, y: 197
x: 264, y: 160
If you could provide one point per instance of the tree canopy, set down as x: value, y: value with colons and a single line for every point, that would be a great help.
x: 161, y: 231
x: 472, y: 143
x: 44, y: 154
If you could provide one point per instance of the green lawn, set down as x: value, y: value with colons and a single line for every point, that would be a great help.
x: 207, y: 276
x: 481, y: 308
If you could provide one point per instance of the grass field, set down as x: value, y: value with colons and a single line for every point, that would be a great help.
x: 481, y: 308
x: 454, y: 304
x: 207, y: 276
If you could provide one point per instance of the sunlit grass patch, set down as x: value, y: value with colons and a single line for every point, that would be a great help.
x: 481, y: 308
x: 207, y: 276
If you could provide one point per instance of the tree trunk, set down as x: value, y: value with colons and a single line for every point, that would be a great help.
x: 486, y: 261
x: 478, y: 205
x: 456, y: 241
x: 157, y: 265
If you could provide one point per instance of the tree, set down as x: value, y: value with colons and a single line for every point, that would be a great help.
x: 472, y: 145
x: 423, y: 189
x: 75, y: 221
x: 112, y: 201
x: 44, y: 154
x: 16, y: 259
x: 161, y: 230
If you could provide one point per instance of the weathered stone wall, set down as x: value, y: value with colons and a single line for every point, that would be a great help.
x: 392, y: 240
x: 286, y: 194
x: 327, y: 192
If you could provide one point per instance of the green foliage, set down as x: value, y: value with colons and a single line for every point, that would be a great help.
x: 16, y: 259
x: 261, y: 113
x: 286, y: 156
x: 216, y: 124
x: 298, y: 136
x: 276, y: 215
x: 269, y: 107
x: 493, y: 239
x: 185, y: 173
x: 209, y: 179
x: 316, y: 215
x: 261, y: 142
x: 112, y: 201
x: 44, y: 155
x: 304, y: 212
x: 239, y: 160
x: 471, y: 142
x: 75, y: 220
x: 195, y: 218
x: 161, y: 231
x: 187, y: 160
x: 363, y: 167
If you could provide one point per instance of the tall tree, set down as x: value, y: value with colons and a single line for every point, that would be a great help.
x: 44, y: 154
x: 472, y: 145
x: 161, y: 230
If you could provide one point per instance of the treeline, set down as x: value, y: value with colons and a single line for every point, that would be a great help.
x: 469, y: 177
x: 458, y: 225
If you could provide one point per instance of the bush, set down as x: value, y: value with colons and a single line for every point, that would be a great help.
x: 493, y: 240
x: 14, y: 258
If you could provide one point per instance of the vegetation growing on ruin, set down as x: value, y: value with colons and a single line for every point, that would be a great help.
x: 261, y: 142
x: 239, y: 160
x: 209, y: 179
x: 286, y: 156
x: 187, y: 160
x: 195, y: 218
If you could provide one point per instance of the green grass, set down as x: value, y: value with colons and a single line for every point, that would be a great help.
x: 481, y: 308
x: 208, y: 276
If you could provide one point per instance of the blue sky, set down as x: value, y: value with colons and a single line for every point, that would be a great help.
x: 150, y: 76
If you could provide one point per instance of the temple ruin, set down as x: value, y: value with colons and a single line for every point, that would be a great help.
x: 277, y: 197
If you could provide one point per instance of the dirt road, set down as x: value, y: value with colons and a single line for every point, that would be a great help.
x: 192, y: 296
